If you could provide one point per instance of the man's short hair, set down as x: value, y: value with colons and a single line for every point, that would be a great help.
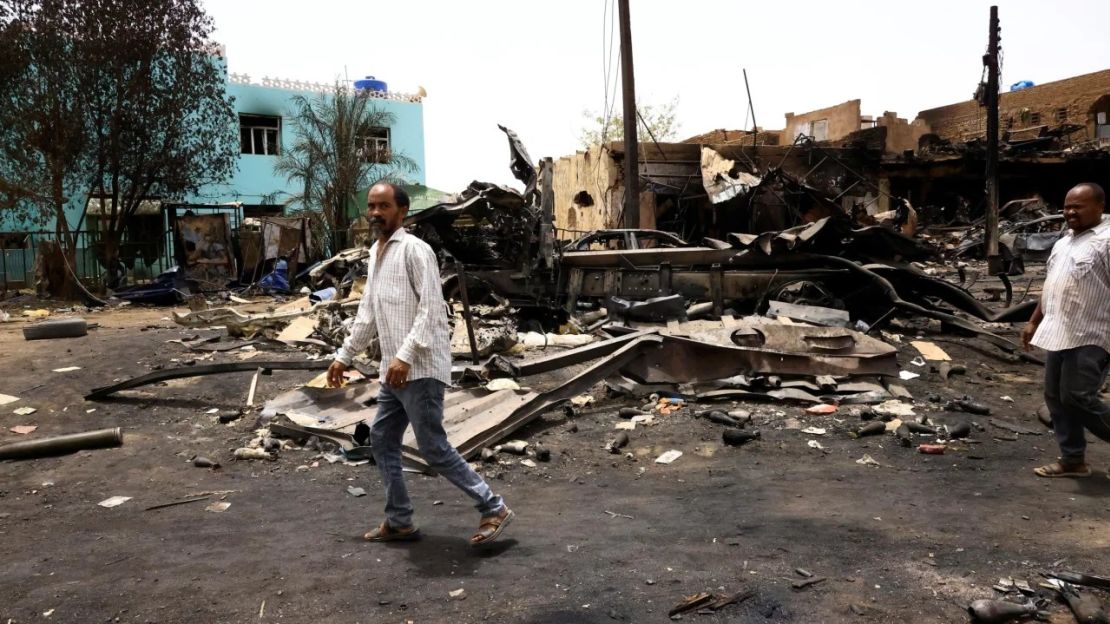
x: 1096, y: 191
x: 400, y: 197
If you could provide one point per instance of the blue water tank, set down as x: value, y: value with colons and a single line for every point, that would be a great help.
x: 1024, y: 84
x: 371, y: 84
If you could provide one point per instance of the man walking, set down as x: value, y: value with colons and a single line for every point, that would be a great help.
x: 403, y: 305
x: 1072, y: 323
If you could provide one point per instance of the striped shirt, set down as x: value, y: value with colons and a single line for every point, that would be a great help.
x: 1076, y: 298
x: 403, y: 306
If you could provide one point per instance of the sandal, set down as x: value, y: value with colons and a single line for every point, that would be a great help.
x: 1060, y: 469
x: 491, y: 527
x: 386, y: 533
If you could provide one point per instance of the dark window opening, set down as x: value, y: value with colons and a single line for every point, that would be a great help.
x: 376, y: 146
x: 1034, y: 119
x: 583, y: 199
x: 1061, y: 114
x: 259, y: 134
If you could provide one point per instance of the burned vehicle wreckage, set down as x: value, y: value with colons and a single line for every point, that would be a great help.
x: 505, y: 243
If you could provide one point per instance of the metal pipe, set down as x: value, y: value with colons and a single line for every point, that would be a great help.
x: 60, y: 445
x: 751, y: 108
x: 465, y: 297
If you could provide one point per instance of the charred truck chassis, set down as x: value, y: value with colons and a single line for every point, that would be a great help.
x: 505, y: 241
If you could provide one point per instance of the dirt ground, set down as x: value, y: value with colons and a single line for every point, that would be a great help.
x: 598, y: 537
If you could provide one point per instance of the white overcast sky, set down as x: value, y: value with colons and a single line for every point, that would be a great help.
x: 535, y: 67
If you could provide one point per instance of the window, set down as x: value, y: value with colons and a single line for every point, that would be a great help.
x: 1034, y: 119
x: 375, y: 146
x: 259, y: 134
x: 821, y: 130
x: 1009, y: 123
x: 1061, y: 114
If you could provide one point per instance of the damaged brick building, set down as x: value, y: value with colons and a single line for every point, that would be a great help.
x: 1052, y: 135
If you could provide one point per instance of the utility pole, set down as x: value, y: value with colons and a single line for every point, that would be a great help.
x: 631, y: 142
x: 990, y: 98
x: 751, y: 107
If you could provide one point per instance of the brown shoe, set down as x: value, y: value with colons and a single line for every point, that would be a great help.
x: 491, y: 527
x: 386, y: 533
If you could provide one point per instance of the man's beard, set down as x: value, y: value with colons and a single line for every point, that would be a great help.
x: 376, y: 228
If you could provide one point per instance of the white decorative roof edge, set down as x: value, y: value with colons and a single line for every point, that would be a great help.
x: 318, y: 87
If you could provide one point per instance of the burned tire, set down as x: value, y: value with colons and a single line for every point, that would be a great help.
x: 67, y: 328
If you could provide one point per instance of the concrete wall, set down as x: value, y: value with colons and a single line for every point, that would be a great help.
x: 737, y: 137
x: 596, y: 173
x: 966, y: 120
x: 842, y: 119
x: 901, y: 135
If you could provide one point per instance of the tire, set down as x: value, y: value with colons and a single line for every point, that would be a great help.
x: 66, y: 328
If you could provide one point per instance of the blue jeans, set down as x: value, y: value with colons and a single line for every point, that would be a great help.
x: 1072, y: 379
x: 420, y: 403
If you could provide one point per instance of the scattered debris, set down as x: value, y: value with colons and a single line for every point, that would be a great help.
x: 254, y: 385
x: 731, y: 437
x: 967, y: 405
x: 67, y: 369
x: 616, y: 444
x: 582, y: 400
x: 66, y: 328
x: 114, y: 501
x: 184, y: 501
x: 7, y: 398
x: 870, y: 429
x: 930, y: 351
x: 513, y: 447
x: 895, y: 409
x: 218, y: 507
x: 1078, y: 578
x: 60, y: 445
x: 958, y: 430
x: 502, y: 383
x: 931, y: 449
x: 998, y: 611
x: 1013, y: 427
x: 668, y: 457
x: 809, y: 582
x: 204, y: 462
x: 691, y: 602
x: 867, y: 460
x: 457, y: 594
x: 253, y: 453
x: 207, y: 369
x: 356, y: 491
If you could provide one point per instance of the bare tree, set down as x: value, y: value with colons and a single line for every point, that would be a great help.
x: 655, y: 121
x: 336, y: 154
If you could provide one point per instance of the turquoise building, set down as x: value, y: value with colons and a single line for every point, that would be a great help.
x: 263, y: 112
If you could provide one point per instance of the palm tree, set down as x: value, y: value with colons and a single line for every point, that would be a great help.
x: 334, y: 156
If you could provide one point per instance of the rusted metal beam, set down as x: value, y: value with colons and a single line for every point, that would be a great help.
x: 208, y: 369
